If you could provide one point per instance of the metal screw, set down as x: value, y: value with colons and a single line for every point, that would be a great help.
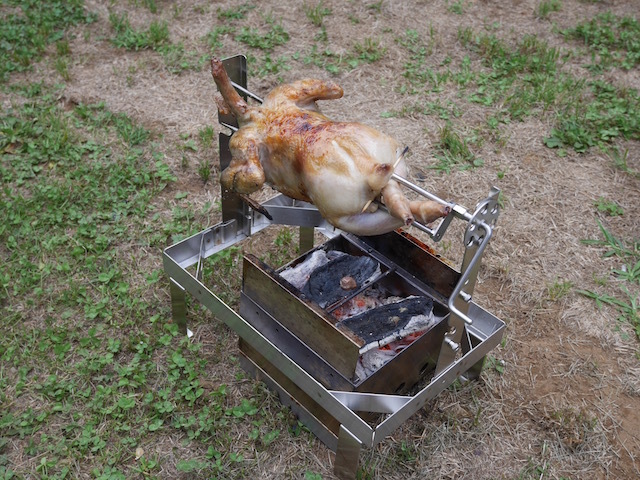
x: 465, y: 296
x: 454, y: 346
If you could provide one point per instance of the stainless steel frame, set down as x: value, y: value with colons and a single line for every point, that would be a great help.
x: 472, y: 331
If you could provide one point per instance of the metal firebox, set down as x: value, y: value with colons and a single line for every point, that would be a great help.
x: 295, y: 346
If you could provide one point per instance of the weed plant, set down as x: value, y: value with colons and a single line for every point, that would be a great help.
x: 316, y: 13
x: 126, y: 37
x: 623, y: 298
x: 276, y: 35
x: 546, y: 7
x: 235, y: 13
x: 454, y: 150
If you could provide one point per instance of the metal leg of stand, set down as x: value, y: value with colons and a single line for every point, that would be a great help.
x: 306, y: 238
x: 347, y: 455
x: 474, y: 372
x: 179, y: 305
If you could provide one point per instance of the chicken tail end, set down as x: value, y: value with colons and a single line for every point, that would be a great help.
x: 380, y: 176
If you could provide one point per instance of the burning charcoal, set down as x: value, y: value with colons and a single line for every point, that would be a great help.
x: 388, y: 321
x: 324, y: 282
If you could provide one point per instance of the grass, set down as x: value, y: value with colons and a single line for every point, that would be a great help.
x: 155, y: 37
x: 316, y: 13
x: 620, y: 160
x: 70, y: 200
x: 82, y: 330
x: 263, y: 40
x: 456, y: 7
x: 546, y: 7
x: 213, y: 37
x: 527, y: 79
x: 608, y: 207
x: 624, y: 298
x: 235, y: 13
x: 612, y: 40
x: 284, y: 248
x: 558, y: 289
x: 453, y: 150
x: 370, y: 50
x: 603, y: 115
x: 416, y: 70
x: 31, y: 26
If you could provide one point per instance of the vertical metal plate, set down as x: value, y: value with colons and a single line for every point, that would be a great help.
x: 233, y: 208
x: 347, y: 455
x: 236, y: 68
x: 178, y: 305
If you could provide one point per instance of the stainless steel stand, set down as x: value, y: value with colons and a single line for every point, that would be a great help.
x: 472, y: 331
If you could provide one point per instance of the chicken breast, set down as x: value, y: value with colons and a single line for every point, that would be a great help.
x: 340, y: 167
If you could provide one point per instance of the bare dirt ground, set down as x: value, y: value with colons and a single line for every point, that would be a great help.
x: 567, y: 401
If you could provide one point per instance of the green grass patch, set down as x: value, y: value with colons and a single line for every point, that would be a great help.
x: 416, y: 69
x: 558, y: 289
x: 612, y: 40
x: 316, y: 13
x: 155, y: 37
x: 368, y: 51
x: 625, y: 298
x: 29, y: 26
x: 93, y: 369
x: 263, y: 40
x: 602, y: 114
x: 454, y: 151
x: 235, y: 13
x: 456, y: 7
x: 546, y: 7
x: 527, y: 79
x: 213, y: 37
x: 73, y: 192
x: 608, y: 208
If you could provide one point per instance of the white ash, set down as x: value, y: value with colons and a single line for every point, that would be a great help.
x: 418, y: 323
x: 375, y: 355
x: 298, y: 276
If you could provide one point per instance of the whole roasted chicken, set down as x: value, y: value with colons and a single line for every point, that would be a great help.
x: 343, y: 168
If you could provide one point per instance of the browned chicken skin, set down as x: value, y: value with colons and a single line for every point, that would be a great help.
x: 340, y: 167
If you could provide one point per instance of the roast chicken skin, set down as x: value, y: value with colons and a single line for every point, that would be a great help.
x: 340, y: 167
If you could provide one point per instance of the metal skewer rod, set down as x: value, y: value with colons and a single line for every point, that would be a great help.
x: 459, y: 211
x: 419, y: 190
x: 246, y: 92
